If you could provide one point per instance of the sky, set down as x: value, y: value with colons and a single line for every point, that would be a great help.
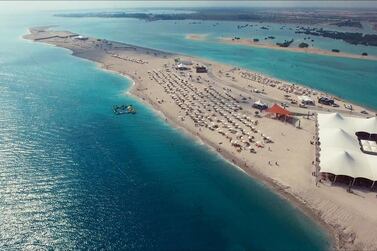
x: 75, y: 5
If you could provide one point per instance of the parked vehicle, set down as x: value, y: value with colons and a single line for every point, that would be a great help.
x: 326, y: 101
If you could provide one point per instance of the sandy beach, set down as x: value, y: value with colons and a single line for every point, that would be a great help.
x: 215, y: 107
x: 198, y: 37
x: 262, y: 44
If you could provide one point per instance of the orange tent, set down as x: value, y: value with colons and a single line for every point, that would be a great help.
x: 278, y: 110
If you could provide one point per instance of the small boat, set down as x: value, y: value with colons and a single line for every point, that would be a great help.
x: 123, y: 109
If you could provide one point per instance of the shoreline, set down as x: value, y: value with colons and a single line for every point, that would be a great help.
x: 336, y: 97
x: 261, y: 44
x: 270, y: 184
x: 337, y: 237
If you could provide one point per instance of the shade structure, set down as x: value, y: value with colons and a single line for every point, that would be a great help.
x: 340, y: 148
x: 348, y: 163
x: 277, y: 109
x: 338, y: 138
x: 260, y: 105
x: 306, y: 100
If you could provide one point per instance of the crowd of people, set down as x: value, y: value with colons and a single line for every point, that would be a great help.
x: 283, y: 86
x: 213, y: 109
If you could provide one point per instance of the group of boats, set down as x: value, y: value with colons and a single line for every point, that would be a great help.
x: 123, y: 109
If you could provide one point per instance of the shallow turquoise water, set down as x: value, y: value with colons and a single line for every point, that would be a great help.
x: 352, y: 79
x: 73, y: 175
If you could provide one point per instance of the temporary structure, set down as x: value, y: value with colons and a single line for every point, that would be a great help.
x: 260, y: 105
x: 181, y: 66
x: 306, y: 100
x: 348, y: 163
x: 278, y: 110
x: 341, y: 152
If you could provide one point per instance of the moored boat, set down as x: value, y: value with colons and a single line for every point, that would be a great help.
x: 123, y: 109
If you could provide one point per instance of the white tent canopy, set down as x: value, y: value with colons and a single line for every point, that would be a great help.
x: 338, y: 138
x: 340, y: 150
x: 182, y: 66
x: 186, y: 62
x: 353, y: 164
x: 305, y: 99
x: 260, y: 105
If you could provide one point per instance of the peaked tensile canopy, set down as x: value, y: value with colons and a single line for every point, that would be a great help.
x: 277, y: 109
x: 340, y: 149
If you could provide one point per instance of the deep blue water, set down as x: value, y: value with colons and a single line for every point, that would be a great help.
x: 73, y: 175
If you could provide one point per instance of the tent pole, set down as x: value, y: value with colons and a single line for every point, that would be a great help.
x: 354, y: 179
x: 334, y: 179
x: 372, y: 185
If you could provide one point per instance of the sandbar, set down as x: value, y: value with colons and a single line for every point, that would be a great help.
x: 266, y: 45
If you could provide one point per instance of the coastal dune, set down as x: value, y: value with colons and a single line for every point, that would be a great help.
x: 215, y: 107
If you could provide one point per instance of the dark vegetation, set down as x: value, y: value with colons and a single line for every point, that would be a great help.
x: 295, y: 15
x: 285, y: 43
x: 349, y: 37
x: 336, y: 17
x: 348, y: 23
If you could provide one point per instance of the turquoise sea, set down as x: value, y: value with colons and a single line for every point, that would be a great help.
x: 351, y: 79
x: 74, y: 176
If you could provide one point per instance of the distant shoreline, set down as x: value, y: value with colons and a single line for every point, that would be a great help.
x: 260, y: 44
x: 243, y: 14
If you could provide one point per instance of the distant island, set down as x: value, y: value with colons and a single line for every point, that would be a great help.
x: 339, y: 17
x: 348, y: 23
x: 349, y: 37
x: 284, y: 46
